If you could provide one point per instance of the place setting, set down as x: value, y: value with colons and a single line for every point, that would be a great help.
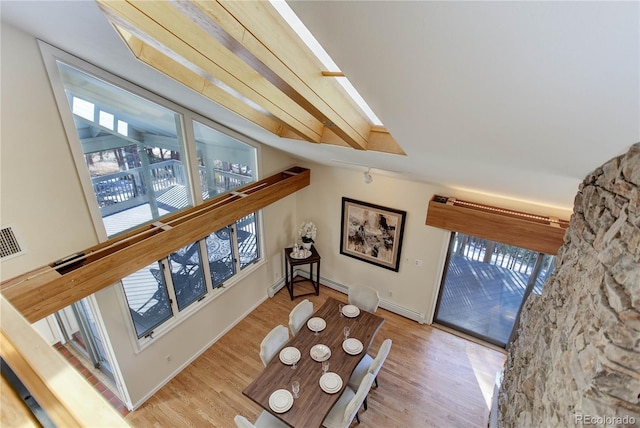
x: 281, y: 400
x: 330, y: 382
x: 316, y: 324
x: 320, y: 352
x: 352, y: 346
x: 350, y: 311
x: 290, y: 356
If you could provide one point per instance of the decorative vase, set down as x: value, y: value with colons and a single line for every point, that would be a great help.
x: 306, y: 245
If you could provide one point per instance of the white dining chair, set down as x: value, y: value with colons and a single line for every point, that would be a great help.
x: 347, y: 406
x: 273, y: 343
x: 299, y: 315
x: 265, y: 420
x: 364, y: 297
x: 369, y: 365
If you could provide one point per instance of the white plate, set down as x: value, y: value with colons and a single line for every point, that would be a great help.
x: 350, y: 311
x: 280, y: 401
x: 316, y: 324
x: 290, y: 355
x: 320, y: 352
x: 330, y: 382
x: 352, y: 346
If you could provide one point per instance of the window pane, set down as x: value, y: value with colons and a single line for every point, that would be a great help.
x: 136, y: 170
x: 186, y: 273
x: 484, y: 285
x: 220, y: 253
x: 147, y: 297
x: 247, y: 240
x: 224, y: 163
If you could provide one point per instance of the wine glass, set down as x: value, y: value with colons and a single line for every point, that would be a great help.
x: 340, y: 309
x: 325, y: 367
x: 346, y: 332
x: 316, y: 327
x: 295, y: 388
x: 294, y: 364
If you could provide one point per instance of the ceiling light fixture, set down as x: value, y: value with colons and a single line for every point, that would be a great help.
x: 367, y: 176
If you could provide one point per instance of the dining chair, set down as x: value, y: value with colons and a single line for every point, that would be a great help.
x: 364, y: 297
x: 265, y: 420
x: 347, y: 406
x: 370, y: 365
x: 299, y: 315
x: 273, y: 342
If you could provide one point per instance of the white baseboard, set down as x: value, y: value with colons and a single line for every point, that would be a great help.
x: 384, y: 304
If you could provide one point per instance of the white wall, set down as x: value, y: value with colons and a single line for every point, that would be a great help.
x: 39, y: 189
x: 413, y: 289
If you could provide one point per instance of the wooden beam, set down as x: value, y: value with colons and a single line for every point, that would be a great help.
x: 48, y: 289
x: 524, y: 230
x: 270, y: 46
x: 160, y: 25
x: 245, y: 57
x: 200, y: 84
x: 66, y: 397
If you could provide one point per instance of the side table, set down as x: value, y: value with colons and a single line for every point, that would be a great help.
x: 290, y: 262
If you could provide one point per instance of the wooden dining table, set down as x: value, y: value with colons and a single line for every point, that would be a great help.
x: 313, y: 404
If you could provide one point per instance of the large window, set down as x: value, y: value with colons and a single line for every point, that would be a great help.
x: 146, y: 157
x: 164, y: 289
x: 132, y: 148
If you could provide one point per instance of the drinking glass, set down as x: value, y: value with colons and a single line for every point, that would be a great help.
x: 346, y: 332
x: 295, y: 388
x: 325, y: 366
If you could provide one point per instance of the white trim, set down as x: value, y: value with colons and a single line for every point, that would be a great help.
x: 444, y: 250
x: 111, y: 356
x: 389, y: 305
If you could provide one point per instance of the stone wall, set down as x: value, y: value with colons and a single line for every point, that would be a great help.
x: 576, y: 360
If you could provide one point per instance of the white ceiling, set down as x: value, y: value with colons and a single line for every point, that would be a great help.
x: 516, y: 99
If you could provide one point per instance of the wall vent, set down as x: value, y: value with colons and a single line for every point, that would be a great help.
x: 9, y: 245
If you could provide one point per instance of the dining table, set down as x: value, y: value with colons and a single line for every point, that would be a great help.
x: 313, y: 403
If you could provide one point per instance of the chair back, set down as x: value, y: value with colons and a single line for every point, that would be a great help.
x: 365, y: 298
x: 299, y: 315
x: 357, y: 400
x: 377, y: 362
x: 273, y: 343
x: 242, y: 422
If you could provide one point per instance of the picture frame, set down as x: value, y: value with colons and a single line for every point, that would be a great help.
x: 372, y: 233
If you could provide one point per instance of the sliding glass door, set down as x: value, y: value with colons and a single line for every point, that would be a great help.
x: 485, y: 284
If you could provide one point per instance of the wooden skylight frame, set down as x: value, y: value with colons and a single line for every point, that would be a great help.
x: 233, y: 51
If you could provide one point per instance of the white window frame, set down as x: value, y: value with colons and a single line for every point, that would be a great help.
x: 51, y: 55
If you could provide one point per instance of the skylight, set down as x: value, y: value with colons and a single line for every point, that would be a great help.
x: 301, y: 30
x: 106, y: 119
x: 83, y: 108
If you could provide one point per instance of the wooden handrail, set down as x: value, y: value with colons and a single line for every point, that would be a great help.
x: 48, y: 289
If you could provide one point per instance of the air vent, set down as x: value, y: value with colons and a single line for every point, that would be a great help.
x: 9, y: 245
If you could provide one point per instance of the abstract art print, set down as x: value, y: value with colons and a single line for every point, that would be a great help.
x: 372, y: 233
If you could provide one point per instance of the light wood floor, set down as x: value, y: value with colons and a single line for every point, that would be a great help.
x: 430, y: 379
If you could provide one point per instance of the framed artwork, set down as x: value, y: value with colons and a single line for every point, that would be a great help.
x: 372, y: 233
